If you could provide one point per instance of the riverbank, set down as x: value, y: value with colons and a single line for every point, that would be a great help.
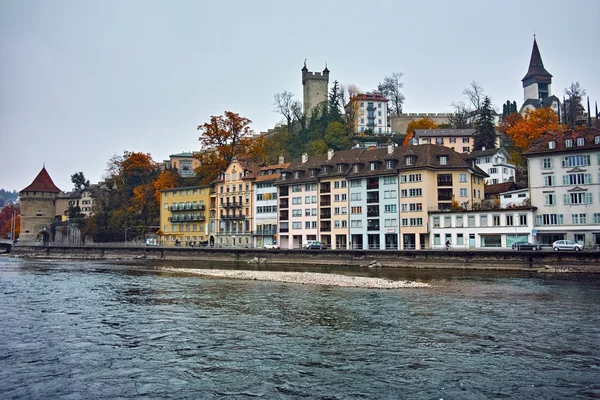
x: 544, y: 261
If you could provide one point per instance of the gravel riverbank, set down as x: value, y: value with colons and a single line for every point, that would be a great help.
x: 309, y: 278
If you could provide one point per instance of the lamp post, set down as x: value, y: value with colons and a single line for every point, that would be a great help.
x: 128, y: 229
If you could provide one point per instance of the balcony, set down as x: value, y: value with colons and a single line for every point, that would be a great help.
x: 283, y: 216
x: 372, y: 199
x: 183, y: 218
x: 186, y: 207
x: 325, y: 188
x: 325, y: 228
x: 228, y: 217
x: 444, y: 183
x: 373, y: 227
x: 326, y: 215
x: 444, y: 197
x: 284, y: 230
x: 373, y: 213
x: 266, y: 232
x: 373, y: 186
x: 232, y: 205
x: 283, y: 191
x: 283, y: 204
x: 325, y: 203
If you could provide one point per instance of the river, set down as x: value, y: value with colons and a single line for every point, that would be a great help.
x: 106, y: 330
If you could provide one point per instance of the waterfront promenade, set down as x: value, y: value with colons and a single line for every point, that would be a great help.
x: 456, y: 259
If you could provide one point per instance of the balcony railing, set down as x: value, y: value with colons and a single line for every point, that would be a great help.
x: 326, y: 229
x: 232, y: 205
x: 444, y: 183
x: 372, y: 186
x: 284, y: 204
x: 444, y: 197
x: 283, y: 192
x: 372, y: 200
x: 266, y: 232
x: 326, y: 189
x: 232, y: 217
x: 372, y: 227
x: 373, y: 213
x: 283, y: 217
x: 284, y: 230
x: 326, y: 215
x: 183, y: 218
x: 187, y: 207
x: 325, y: 203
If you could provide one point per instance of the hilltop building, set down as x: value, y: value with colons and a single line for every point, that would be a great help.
x: 460, y: 140
x: 537, y: 85
x: 372, y: 113
x: 315, y: 89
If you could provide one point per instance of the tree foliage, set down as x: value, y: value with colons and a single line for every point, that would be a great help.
x: 288, y: 107
x: 460, y: 117
x: 391, y: 88
x: 573, y: 105
x: 485, y: 130
x: 533, y: 125
x: 7, y: 213
x: 509, y: 108
x: 475, y: 94
x: 425, y: 123
x: 223, y: 138
x: 79, y: 181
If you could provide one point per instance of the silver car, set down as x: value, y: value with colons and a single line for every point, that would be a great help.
x: 566, y: 245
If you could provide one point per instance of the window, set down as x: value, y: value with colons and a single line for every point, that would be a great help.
x: 336, y: 197
x: 552, y: 145
x: 578, y: 198
x: 296, y: 225
x: 415, y: 206
x: 509, y: 220
x: 580, y: 141
x: 410, y: 178
x: 390, y: 222
x: 389, y: 165
x: 460, y: 241
x: 596, y: 139
x: 418, y: 192
x: 373, y: 166
x: 344, y: 210
x: 549, y: 199
x: 355, y: 197
x: 459, y: 221
x: 355, y: 168
x: 296, y: 200
x: 390, y: 194
x: 340, y: 168
x: 356, y: 210
x: 296, y: 188
x: 493, y: 170
x: 549, y: 180
x: 439, y: 140
x: 390, y: 208
x: 356, y: 223
x: 549, y: 219
x: 471, y: 221
x: 463, y: 192
x: 344, y: 197
x: 355, y: 183
x: 436, y: 239
x: 462, y: 178
x: 597, y: 215
x: 466, y: 149
x: 576, y: 161
x: 465, y: 140
x: 577, y: 179
x: 546, y: 163
x: 344, y: 184
x: 579, y: 219
x: 390, y: 180
x: 436, y: 222
x: 336, y: 211
x: 452, y: 140
x: 409, y: 160
x: 443, y: 160
x: 569, y: 143
x: 522, y: 219
x: 297, y: 212
x: 483, y: 220
x: 307, y: 200
x: 447, y: 222
x: 307, y: 225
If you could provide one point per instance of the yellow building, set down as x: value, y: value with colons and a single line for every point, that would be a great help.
x: 183, y: 215
x: 231, y: 213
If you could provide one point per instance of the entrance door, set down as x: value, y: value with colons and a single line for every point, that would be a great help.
x: 472, y: 240
x: 579, y: 238
x: 408, y: 240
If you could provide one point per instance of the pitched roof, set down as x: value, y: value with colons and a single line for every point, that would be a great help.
x: 536, y: 66
x: 498, y: 188
x: 541, y: 145
x: 444, y: 132
x: 485, y: 153
x: 42, y: 183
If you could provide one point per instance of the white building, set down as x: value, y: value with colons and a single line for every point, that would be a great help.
x: 515, y: 198
x: 372, y: 113
x: 265, y: 205
x: 564, y: 185
x: 495, y: 163
x: 537, y: 85
x: 495, y: 228
x: 460, y: 140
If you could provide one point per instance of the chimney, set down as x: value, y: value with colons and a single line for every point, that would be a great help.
x: 281, y: 160
x: 329, y: 154
x: 390, y: 148
x: 304, y: 158
x: 482, y: 148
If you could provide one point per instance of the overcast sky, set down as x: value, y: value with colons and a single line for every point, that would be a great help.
x: 81, y: 81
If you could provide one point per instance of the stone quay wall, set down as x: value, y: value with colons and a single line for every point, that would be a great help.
x: 545, y: 261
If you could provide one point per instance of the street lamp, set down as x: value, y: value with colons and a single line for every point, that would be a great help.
x: 128, y: 229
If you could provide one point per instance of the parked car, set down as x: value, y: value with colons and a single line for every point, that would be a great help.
x: 519, y: 246
x: 307, y: 244
x: 317, y: 246
x: 566, y: 245
x: 271, y: 246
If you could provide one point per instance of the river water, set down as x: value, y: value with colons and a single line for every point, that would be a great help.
x: 106, y: 330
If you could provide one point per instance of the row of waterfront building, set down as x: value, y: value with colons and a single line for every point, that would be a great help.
x: 410, y: 197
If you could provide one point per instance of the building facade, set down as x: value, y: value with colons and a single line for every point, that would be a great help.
x: 265, y: 205
x: 495, y: 163
x: 459, y: 140
x: 183, y: 219
x: 564, y: 185
x: 371, y: 113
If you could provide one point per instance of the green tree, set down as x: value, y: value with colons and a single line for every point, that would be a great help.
x: 334, y: 114
x: 485, y: 131
x: 79, y: 181
x: 336, y: 136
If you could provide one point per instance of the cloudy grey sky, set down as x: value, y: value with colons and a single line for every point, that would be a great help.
x: 81, y: 81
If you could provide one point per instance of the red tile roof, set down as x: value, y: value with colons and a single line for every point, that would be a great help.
x: 42, y: 183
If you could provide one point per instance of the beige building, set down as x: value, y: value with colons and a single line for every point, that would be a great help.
x: 232, y: 202
x: 183, y: 219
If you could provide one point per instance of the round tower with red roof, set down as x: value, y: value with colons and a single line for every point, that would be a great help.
x: 38, y: 209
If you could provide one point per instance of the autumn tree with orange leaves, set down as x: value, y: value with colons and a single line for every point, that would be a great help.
x: 7, y: 222
x: 532, y: 126
x: 223, y: 138
x: 425, y: 123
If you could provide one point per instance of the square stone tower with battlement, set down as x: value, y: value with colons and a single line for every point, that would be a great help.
x: 316, y: 89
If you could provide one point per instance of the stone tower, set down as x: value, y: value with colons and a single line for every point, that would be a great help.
x: 537, y: 84
x: 38, y: 209
x: 315, y: 85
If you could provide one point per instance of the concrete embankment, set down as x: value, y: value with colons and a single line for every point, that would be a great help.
x: 548, y: 261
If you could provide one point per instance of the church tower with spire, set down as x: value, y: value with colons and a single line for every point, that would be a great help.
x: 537, y: 84
x: 315, y: 85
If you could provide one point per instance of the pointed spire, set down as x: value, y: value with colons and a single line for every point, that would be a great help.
x: 536, y: 66
x: 304, y: 68
x: 596, y: 110
x: 589, y: 113
x: 326, y: 71
x: 42, y: 183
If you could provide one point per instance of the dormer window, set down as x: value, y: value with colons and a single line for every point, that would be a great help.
x: 296, y: 175
x: 597, y: 139
x: 283, y: 176
x: 373, y: 166
x: 443, y: 160
x: 340, y: 168
x: 324, y: 170
x: 410, y: 160
x: 389, y: 165
x: 312, y: 172
x: 580, y: 141
x: 569, y: 143
x: 552, y: 145
x: 355, y: 168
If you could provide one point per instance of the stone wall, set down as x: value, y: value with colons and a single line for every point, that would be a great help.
x: 400, y: 122
x: 37, y: 213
